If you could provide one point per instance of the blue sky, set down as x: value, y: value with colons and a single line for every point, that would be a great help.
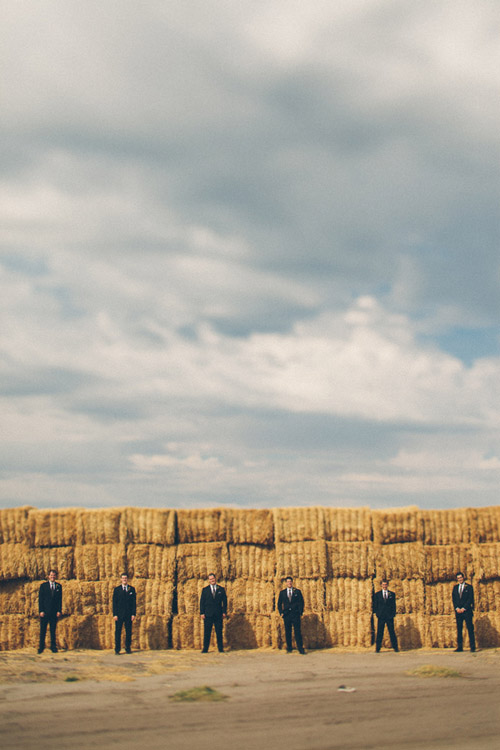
x: 249, y: 253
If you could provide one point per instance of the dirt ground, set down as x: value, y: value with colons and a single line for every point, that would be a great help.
x: 94, y: 699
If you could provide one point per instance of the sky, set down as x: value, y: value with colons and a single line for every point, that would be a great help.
x: 249, y: 253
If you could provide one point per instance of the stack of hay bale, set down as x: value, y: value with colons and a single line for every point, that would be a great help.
x: 13, y: 576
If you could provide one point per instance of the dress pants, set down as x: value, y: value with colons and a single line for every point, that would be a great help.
x: 50, y: 620
x: 466, y: 617
x: 382, y: 622
x: 289, y: 622
x: 208, y: 623
x: 127, y: 621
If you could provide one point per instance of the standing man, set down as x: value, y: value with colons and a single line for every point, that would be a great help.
x: 50, y: 608
x: 124, y: 609
x: 384, y: 606
x: 291, y: 608
x: 213, y: 610
x: 463, y: 604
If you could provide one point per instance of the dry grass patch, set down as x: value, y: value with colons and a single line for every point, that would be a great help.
x: 428, y: 670
x: 203, y: 693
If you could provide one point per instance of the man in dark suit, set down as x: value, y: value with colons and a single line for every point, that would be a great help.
x: 291, y: 608
x: 124, y: 609
x: 384, y: 606
x: 213, y: 610
x: 463, y: 604
x: 50, y: 608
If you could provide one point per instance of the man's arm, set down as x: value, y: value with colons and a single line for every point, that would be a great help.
x: 224, y: 602
x: 59, y: 601
x: 301, y: 602
x: 202, y: 603
x: 41, y: 605
x: 280, y: 603
x: 115, y: 602
x: 134, y: 603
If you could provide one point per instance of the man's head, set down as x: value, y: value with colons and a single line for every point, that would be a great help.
x: 52, y: 575
x: 289, y: 582
x: 460, y: 577
x: 211, y: 579
x: 384, y: 583
x: 124, y: 579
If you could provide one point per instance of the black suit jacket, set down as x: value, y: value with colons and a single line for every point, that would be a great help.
x: 385, y: 609
x: 50, y: 603
x: 467, y: 599
x: 293, y: 608
x: 211, y: 606
x: 124, y: 602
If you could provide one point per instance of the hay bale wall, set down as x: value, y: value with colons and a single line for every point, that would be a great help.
x: 336, y: 556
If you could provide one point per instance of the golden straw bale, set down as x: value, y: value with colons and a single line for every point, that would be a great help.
x: 103, y: 632
x: 11, y: 632
x: 252, y: 561
x: 187, y: 632
x: 315, y: 633
x: 13, y: 561
x: 78, y: 597
x: 485, y: 524
x: 150, y: 632
x: 487, y: 630
x: 12, y: 598
x: 98, y: 526
x: 243, y: 631
x: 486, y: 559
x: 299, y: 524
x: 409, y: 595
x: 348, y: 628
x: 313, y: 591
x: 301, y: 559
x: 154, y: 597
x: 487, y: 596
x: 399, y: 560
x: 201, y: 525
x: 349, y: 594
x: 95, y: 562
x: 442, y: 632
x: 198, y: 560
x: 445, y: 526
x: 75, y: 631
x: 411, y: 631
x: 151, y: 561
x: 348, y: 524
x: 250, y: 527
x: 350, y: 560
x: 14, y: 524
x: 250, y: 597
x: 148, y: 526
x: 188, y: 596
x: 438, y: 598
x: 444, y: 561
x: 40, y: 560
x: 52, y: 528
x: 395, y: 526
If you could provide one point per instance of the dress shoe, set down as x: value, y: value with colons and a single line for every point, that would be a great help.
x: 54, y: 650
x: 458, y: 649
x: 40, y: 650
x: 128, y: 650
x: 301, y: 651
x: 221, y: 650
x: 289, y: 650
x: 205, y: 651
x: 117, y: 652
x: 472, y: 650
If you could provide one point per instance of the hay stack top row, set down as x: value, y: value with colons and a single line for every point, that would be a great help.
x: 166, y: 526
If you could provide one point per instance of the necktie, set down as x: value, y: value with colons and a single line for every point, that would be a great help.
x: 385, y: 594
x: 461, y: 589
x: 213, y: 591
x: 289, y: 595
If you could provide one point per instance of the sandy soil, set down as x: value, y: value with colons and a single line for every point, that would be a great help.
x: 94, y: 699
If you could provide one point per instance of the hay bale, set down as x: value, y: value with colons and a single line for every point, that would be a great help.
x: 148, y: 526
x: 443, y: 562
x: 399, y: 560
x: 487, y: 596
x: 486, y: 561
x: 250, y: 597
x: 102, y: 634
x: 40, y: 560
x: 243, y: 631
x: 350, y: 560
x: 150, y: 632
x: 151, y: 561
x: 313, y: 591
x: 442, y: 632
x: 187, y: 632
x: 349, y: 594
x: 348, y: 524
x: 188, y: 596
x: 352, y: 629
x: 97, y: 562
x: 98, y: 526
x: 13, y: 561
x: 79, y: 597
x: 487, y: 630
x: 410, y: 597
x: 154, y: 597
x: 299, y: 524
x: 484, y: 524
x: 198, y: 560
x: 203, y: 525
x: 75, y: 631
x: 11, y: 632
x: 249, y: 527
x: 14, y: 525
x: 251, y: 561
x: 396, y: 526
x: 301, y: 560
x: 438, y: 599
x: 411, y: 631
x: 12, y: 598
x: 52, y: 528
x: 445, y: 526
